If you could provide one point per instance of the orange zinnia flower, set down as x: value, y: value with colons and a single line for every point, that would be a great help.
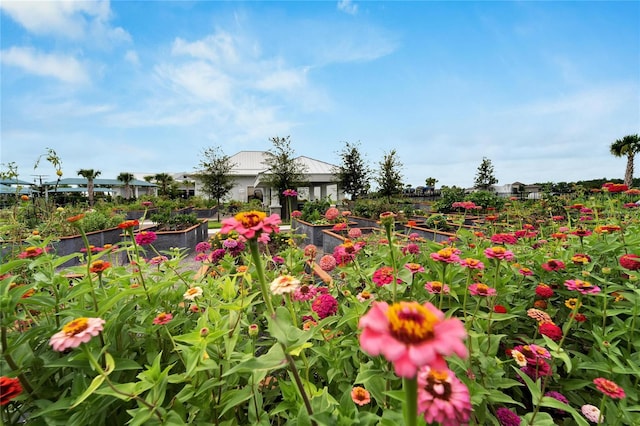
x: 75, y: 218
x: 99, y: 266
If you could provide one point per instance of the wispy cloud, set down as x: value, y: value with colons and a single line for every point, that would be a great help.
x: 62, y: 67
x: 66, y: 18
x: 347, y: 6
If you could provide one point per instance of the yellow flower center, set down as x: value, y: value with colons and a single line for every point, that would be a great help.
x: 498, y: 250
x: 76, y: 326
x: 436, y: 285
x: 446, y: 252
x: 482, y: 288
x: 31, y: 250
x: 410, y: 322
x: 365, y: 294
x: 250, y: 219
x: 438, y: 384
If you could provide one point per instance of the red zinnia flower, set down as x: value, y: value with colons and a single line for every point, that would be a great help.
x: 499, y: 309
x: 630, y: 261
x: 383, y: 276
x: 553, y: 265
x: 609, y: 388
x: 9, y: 389
x: 550, y: 330
x: 31, y: 252
x: 544, y: 291
x: 99, y: 266
x: 128, y: 224
x: 325, y: 305
x: 162, y: 318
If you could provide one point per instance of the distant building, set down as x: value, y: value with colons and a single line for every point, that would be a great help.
x: 250, y: 174
x: 112, y: 187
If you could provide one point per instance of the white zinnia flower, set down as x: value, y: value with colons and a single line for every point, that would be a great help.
x: 592, y: 413
x: 284, y: 284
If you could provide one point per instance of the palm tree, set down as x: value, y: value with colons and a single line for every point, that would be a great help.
x: 126, y: 178
x: 628, y: 147
x: 164, y: 180
x: 89, y: 175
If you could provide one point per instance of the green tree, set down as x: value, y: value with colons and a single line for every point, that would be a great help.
x: 283, y: 170
x: 389, y: 176
x: 628, y: 147
x: 89, y: 175
x: 165, y: 181
x: 126, y: 178
x: 353, y: 174
x: 214, y: 173
x: 485, y: 176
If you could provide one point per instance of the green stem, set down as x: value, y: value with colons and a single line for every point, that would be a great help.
x: 411, y: 401
x: 255, y: 255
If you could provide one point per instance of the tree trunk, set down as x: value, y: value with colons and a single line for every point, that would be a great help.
x: 628, y: 175
x: 90, y: 192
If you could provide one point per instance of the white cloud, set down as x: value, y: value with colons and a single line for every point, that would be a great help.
x: 66, y: 18
x: 132, y: 57
x: 62, y: 67
x: 219, y: 48
x: 347, y: 6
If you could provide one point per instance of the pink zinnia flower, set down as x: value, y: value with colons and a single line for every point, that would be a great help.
x: 411, y: 248
x: 442, y: 397
x: 78, y: 331
x: 305, y: 292
x: 609, y: 388
x: 332, y: 213
x: 145, y: 237
x: 355, y: 233
x: 163, y: 318
x: 471, y: 263
x: 296, y: 214
x: 479, y: 289
x: 583, y: 287
x: 410, y: 335
x: 340, y: 226
x: 504, y: 239
x: 383, y: 276
x: 436, y: 287
x: 325, y: 305
x: 251, y: 224
x: 327, y: 263
x: 526, y: 272
x: 360, y: 396
x: 203, y: 246
x: 499, y: 253
x: 447, y: 255
x: 161, y: 259
x: 290, y: 193
x: 414, y: 267
x: 553, y: 265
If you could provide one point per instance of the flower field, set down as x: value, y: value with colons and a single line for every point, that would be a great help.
x: 528, y: 318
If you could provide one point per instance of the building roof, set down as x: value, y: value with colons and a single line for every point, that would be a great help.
x: 14, y: 182
x: 252, y: 163
x: 104, y: 182
x: 65, y: 189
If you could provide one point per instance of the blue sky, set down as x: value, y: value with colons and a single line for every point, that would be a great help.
x: 540, y: 88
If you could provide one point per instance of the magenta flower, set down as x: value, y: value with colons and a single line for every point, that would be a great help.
x: 483, y: 290
x: 447, y: 255
x: 290, y: 193
x: 442, y: 397
x: 583, y: 287
x: 325, y: 305
x: 145, y: 237
x: 471, y: 263
x: 203, y: 246
x: 414, y: 267
x: 498, y: 253
x: 410, y: 335
x: 162, y: 318
x: 436, y: 287
x: 383, y: 276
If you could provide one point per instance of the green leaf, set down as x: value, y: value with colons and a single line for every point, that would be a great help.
x: 233, y: 398
x: 95, y: 384
x: 270, y: 361
x: 554, y: 403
